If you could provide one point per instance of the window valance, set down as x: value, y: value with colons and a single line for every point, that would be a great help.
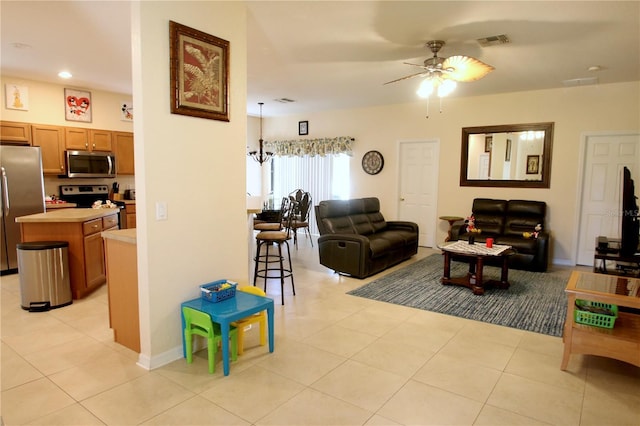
x: 312, y: 147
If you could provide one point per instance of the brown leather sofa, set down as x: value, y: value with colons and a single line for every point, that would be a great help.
x: 506, y: 222
x: 356, y: 240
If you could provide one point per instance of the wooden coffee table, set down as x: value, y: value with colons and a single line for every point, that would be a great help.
x: 475, y: 254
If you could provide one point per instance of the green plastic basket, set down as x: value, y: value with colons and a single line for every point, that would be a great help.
x: 596, y: 314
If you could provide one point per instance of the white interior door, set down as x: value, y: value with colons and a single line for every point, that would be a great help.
x: 418, y: 187
x: 605, y: 156
x: 483, y: 168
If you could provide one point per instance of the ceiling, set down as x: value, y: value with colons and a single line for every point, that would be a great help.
x: 333, y: 55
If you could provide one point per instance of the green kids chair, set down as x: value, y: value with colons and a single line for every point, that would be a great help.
x: 199, y: 323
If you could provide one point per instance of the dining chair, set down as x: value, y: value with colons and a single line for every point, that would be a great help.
x: 274, y: 225
x: 200, y: 324
x: 260, y: 318
x: 301, y: 217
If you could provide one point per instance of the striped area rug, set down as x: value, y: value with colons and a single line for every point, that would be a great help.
x: 535, y: 301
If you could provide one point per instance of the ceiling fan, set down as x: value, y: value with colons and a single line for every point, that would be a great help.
x: 457, y: 68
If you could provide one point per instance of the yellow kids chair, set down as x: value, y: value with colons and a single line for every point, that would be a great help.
x: 260, y: 317
x: 199, y: 323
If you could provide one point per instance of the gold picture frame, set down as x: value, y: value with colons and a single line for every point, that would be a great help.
x: 199, y: 65
x: 488, y: 143
x: 533, y: 164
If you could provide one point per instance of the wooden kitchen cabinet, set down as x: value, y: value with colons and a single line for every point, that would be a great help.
x: 130, y: 210
x: 87, y: 269
x: 50, y: 139
x: 94, y: 249
x: 123, y: 147
x: 76, y: 138
x: 88, y: 139
x: 100, y: 140
x: 94, y: 260
x: 15, y: 133
x: 109, y: 223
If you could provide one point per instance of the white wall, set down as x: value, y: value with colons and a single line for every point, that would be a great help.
x: 254, y: 170
x: 194, y: 165
x: 46, y: 106
x: 574, y: 110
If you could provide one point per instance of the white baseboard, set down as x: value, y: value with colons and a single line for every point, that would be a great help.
x: 149, y: 363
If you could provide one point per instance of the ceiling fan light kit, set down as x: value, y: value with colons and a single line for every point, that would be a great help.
x: 442, y: 74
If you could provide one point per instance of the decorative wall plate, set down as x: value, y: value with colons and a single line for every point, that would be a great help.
x: 372, y: 162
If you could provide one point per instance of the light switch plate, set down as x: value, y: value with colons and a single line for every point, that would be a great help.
x: 161, y: 210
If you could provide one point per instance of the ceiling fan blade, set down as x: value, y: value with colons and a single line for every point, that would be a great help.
x: 465, y: 68
x: 415, y: 65
x: 407, y: 77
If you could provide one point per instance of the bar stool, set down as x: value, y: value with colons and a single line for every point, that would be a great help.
x: 272, y: 225
x: 265, y: 262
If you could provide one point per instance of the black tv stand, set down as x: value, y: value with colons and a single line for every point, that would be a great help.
x: 608, y: 260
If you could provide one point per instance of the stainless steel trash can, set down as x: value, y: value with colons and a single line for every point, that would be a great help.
x: 43, y: 267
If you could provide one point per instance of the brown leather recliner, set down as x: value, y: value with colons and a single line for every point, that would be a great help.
x: 506, y: 221
x: 356, y: 240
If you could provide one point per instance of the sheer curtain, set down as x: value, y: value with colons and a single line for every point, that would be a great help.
x: 324, y: 177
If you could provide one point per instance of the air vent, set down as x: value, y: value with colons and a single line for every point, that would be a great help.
x: 587, y: 81
x: 284, y: 100
x: 493, y: 40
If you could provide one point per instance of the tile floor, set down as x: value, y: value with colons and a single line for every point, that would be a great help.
x: 339, y: 360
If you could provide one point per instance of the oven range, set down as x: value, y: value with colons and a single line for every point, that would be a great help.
x: 85, y: 195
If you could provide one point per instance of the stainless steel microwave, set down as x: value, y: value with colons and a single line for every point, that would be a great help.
x: 91, y: 164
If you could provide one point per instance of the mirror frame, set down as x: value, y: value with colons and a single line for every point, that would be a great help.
x: 507, y: 128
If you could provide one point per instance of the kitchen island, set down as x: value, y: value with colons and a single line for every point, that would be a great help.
x: 81, y: 228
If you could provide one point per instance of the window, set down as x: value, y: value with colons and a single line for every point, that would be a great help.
x: 325, y: 178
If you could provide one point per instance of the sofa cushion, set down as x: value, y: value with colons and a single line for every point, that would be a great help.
x: 356, y: 206
x: 361, y: 224
x: 489, y: 215
x: 380, y: 246
x: 520, y: 244
x: 397, y: 240
x: 338, y: 225
x: 523, y: 216
x: 377, y: 221
x: 407, y: 237
x: 335, y: 208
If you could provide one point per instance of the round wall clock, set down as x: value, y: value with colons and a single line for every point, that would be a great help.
x: 372, y: 162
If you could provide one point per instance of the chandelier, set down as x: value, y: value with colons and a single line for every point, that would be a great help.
x: 261, y: 156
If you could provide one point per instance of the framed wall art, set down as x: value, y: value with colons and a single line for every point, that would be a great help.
x: 199, y: 66
x: 77, y: 105
x: 488, y: 143
x: 533, y: 164
x: 126, y: 111
x: 303, y: 127
x: 17, y: 96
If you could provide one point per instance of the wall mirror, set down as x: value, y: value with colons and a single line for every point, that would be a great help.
x: 511, y: 155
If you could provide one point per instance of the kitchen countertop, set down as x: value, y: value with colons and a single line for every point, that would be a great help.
x: 67, y: 215
x: 50, y: 206
x: 124, y: 235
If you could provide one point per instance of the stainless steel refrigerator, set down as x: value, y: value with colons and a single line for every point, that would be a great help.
x: 22, y: 193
